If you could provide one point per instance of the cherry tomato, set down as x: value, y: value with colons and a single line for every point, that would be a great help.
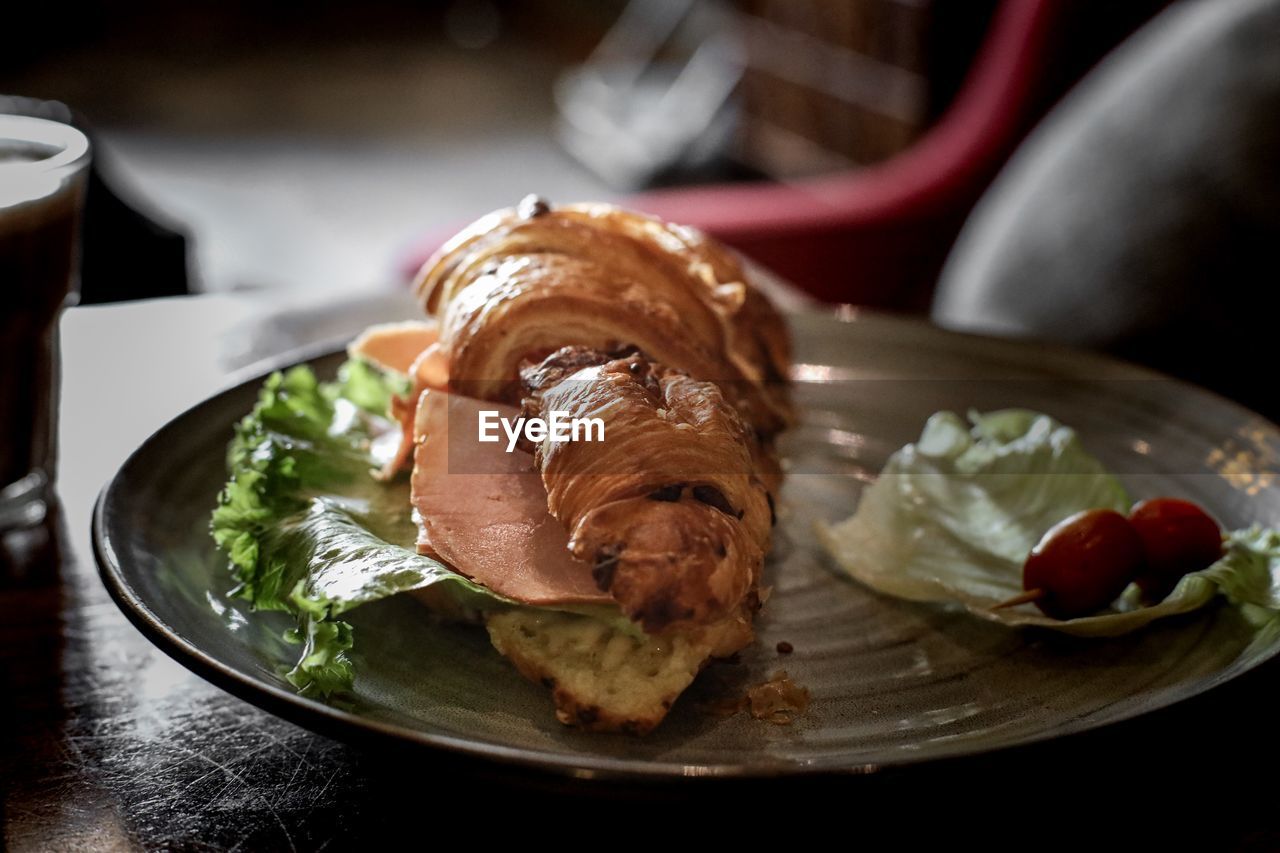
x: 1177, y: 537
x: 1083, y: 563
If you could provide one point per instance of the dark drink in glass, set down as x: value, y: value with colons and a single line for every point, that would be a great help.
x: 43, y: 168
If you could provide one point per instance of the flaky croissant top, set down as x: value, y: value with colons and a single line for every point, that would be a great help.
x: 524, y: 282
x: 598, y: 312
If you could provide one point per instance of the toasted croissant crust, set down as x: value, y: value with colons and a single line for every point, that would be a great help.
x: 522, y: 283
x: 596, y: 312
x: 603, y: 679
x: 669, y: 509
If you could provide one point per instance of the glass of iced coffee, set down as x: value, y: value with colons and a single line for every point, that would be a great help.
x: 43, y: 170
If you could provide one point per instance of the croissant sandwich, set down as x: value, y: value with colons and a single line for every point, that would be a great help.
x: 621, y: 558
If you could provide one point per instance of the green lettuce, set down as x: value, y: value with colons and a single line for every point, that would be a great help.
x: 953, y: 517
x: 307, y: 529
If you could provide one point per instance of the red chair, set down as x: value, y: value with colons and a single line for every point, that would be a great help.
x: 878, y: 236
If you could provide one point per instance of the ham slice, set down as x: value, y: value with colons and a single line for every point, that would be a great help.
x: 484, y: 511
x: 410, y: 348
x: 395, y: 346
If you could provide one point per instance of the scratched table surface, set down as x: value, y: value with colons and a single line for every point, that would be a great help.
x: 110, y: 745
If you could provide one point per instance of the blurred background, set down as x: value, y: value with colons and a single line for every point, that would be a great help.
x: 1073, y: 170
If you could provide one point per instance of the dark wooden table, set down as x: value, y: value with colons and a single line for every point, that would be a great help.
x: 108, y: 744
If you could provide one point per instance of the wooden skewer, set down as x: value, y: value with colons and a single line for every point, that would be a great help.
x: 1022, y: 598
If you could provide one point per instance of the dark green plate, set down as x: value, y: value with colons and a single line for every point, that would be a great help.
x: 892, y: 682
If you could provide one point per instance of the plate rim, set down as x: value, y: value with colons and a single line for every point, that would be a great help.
x: 346, y: 726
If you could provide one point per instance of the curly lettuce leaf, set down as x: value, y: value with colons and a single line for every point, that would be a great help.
x: 953, y: 516
x: 368, y: 387
x: 301, y: 439
x: 305, y: 527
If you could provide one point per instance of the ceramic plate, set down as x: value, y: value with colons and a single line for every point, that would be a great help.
x: 892, y: 682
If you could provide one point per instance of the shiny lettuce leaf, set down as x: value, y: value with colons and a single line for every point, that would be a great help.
x: 343, y: 564
x: 305, y: 527
x: 953, y: 516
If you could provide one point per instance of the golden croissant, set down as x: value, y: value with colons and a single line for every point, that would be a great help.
x: 653, y: 332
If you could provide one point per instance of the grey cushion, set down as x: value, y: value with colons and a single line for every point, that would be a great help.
x: 1143, y: 215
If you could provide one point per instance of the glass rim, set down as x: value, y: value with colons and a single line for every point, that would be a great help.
x: 70, y: 144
